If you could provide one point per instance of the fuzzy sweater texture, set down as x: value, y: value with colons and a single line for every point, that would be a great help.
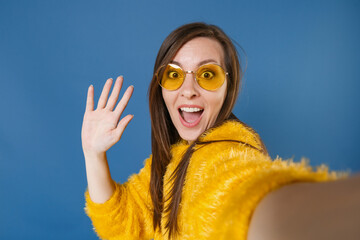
x: 224, y: 183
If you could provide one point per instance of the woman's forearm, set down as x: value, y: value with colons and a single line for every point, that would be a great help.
x: 100, y: 184
x: 328, y: 210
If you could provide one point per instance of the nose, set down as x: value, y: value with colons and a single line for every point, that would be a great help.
x: 189, y: 88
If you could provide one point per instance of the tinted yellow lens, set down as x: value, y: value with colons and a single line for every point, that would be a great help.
x: 210, y: 76
x: 172, y: 77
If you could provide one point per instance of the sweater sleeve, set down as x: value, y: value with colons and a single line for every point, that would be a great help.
x: 239, y: 207
x: 128, y: 212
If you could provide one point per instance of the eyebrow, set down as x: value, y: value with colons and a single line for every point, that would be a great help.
x: 199, y: 64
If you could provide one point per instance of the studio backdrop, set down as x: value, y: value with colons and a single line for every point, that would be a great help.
x: 299, y: 91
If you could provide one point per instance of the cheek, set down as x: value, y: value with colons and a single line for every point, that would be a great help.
x: 168, y: 99
x: 165, y: 97
x: 215, y: 104
x: 218, y: 104
x: 218, y: 100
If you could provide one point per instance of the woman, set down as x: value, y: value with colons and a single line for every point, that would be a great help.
x: 208, y: 171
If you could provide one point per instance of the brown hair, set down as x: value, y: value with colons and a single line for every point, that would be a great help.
x: 163, y: 132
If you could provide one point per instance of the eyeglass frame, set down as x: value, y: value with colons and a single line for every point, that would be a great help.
x: 186, y: 72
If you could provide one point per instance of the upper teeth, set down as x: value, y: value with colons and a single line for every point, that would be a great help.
x: 186, y: 109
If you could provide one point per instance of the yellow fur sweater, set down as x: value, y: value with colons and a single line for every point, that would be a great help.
x: 224, y: 183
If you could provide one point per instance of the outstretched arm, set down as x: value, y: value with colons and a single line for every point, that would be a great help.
x: 101, y: 129
x: 329, y: 210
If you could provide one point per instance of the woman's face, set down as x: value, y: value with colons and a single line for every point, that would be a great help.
x: 193, y: 109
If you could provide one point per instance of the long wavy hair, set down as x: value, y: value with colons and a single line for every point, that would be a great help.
x: 164, y: 133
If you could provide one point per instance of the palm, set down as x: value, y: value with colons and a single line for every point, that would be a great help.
x: 102, y: 127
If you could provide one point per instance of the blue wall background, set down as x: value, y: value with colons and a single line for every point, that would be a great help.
x: 300, y: 91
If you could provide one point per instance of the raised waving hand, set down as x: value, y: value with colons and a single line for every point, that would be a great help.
x: 102, y: 127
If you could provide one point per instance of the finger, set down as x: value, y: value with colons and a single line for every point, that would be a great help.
x: 122, y: 125
x: 124, y: 101
x: 104, y: 94
x: 115, y: 93
x: 90, y: 99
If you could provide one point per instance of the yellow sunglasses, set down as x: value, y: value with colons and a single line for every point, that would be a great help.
x: 209, y: 76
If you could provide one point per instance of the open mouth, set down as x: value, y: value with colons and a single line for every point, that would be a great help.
x: 190, y: 115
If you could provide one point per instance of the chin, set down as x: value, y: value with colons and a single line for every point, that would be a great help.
x: 190, y: 134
